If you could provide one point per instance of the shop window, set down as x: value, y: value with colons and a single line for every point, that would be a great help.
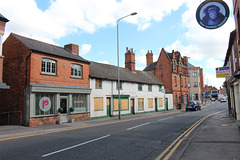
x: 45, y: 104
x: 98, y: 103
x: 49, y: 66
x: 98, y: 84
x: 149, y: 88
x: 150, y: 102
x: 124, y: 104
x: 76, y: 70
x: 79, y: 102
x: 140, y: 104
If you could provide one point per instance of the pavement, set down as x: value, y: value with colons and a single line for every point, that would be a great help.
x: 217, y: 138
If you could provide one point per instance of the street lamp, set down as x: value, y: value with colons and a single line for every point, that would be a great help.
x: 119, y: 103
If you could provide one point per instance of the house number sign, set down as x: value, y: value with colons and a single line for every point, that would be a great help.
x: 45, y: 104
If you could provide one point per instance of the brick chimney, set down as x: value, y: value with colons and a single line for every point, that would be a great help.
x: 73, y: 48
x: 149, y: 58
x: 185, y: 61
x: 130, y: 60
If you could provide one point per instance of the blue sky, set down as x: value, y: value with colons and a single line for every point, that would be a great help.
x: 92, y: 25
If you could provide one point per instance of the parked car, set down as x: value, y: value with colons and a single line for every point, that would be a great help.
x: 193, y: 106
x: 213, y: 99
x: 223, y: 99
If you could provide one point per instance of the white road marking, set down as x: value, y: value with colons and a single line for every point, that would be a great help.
x: 45, y: 155
x: 138, y: 126
x: 165, y: 119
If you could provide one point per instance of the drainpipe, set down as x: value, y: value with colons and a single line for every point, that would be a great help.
x: 26, y: 95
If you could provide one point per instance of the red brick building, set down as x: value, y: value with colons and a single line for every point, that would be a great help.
x: 43, y: 78
x: 172, y: 70
x: 3, y: 22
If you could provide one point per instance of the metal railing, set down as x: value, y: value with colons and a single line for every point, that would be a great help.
x: 12, y: 117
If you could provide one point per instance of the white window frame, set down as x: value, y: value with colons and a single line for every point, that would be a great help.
x: 48, y: 66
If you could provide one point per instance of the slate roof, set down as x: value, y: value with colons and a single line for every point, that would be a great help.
x: 50, y: 49
x: 109, y: 72
x: 2, y: 18
x: 190, y: 65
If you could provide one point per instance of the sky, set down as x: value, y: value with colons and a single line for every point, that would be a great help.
x: 92, y: 24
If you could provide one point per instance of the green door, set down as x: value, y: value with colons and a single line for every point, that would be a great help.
x: 132, y: 106
x: 108, y: 106
x: 166, y: 104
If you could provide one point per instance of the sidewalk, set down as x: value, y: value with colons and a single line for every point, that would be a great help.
x: 218, y: 138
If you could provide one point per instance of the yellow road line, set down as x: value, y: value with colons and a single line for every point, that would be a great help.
x: 179, y: 139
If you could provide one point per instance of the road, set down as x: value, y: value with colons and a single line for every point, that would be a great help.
x: 147, y: 138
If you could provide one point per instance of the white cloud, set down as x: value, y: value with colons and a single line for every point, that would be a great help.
x: 213, y: 63
x: 85, y: 48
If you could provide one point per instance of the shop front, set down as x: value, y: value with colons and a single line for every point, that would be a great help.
x: 50, y: 104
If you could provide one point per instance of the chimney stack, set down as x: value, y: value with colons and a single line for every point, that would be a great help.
x: 130, y: 59
x: 149, y: 57
x: 185, y: 61
x: 74, y: 48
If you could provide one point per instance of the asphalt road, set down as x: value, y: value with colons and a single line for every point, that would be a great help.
x: 143, y: 138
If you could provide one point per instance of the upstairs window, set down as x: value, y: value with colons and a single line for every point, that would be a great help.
x: 98, y: 84
x: 49, y: 66
x: 120, y: 85
x: 149, y: 88
x: 175, y: 80
x: 76, y: 70
x: 140, y: 87
x: 194, y: 74
x: 195, y: 84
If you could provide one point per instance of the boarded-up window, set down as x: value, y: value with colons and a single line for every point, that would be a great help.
x: 124, y: 104
x: 98, y: 84
x: 140, y: 104
x: 98, y: 104
x: 150, y: 103
x: 160, y: 102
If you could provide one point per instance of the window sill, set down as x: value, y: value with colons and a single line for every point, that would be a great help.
x: 76, y: 77
x: 49, y: 74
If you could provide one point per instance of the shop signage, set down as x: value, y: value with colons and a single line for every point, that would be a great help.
x: 78, y: 102
x: 223, y: 72
x: 45, y: 104
x: 212, y: 14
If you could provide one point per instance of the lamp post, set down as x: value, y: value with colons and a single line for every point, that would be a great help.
x: 119, y: 102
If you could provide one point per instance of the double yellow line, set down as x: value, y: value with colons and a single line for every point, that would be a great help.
x: 168, y: 152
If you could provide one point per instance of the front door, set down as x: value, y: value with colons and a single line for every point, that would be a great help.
x: 108, y: 106
x: 166, y: 104
x: 64, y: 105
x: 132, y: 106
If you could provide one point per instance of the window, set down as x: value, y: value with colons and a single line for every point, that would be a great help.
x: 181, y: 81
x: 195, y: 97
x: 150, y: 103
x: 52, y: 104
x: 189, y: 84
x: 49, y: 66
x: 140, y: 104
x: 195, y: 84
x: 98, y: 84
x: 79, y: 102
x: 175, y: 80
x: 120, y: 85
x: 160, y: 88
x: 185, y: 81
x: 76, y: 70
x: 194, y: 74
x: 124, y: 104
x: 160, y: 102
x: 149, y: 88
x: 98, y: 104
x: 139, y: 87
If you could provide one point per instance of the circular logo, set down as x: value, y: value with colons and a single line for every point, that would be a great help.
x: 45, y: 104
x: 212, y: 14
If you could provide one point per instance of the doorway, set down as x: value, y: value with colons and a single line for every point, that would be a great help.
x: 109, y: 107
x: 156, y: 105
x: 166, y: 104
x: 132, y: 106
x: 64, y: 104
